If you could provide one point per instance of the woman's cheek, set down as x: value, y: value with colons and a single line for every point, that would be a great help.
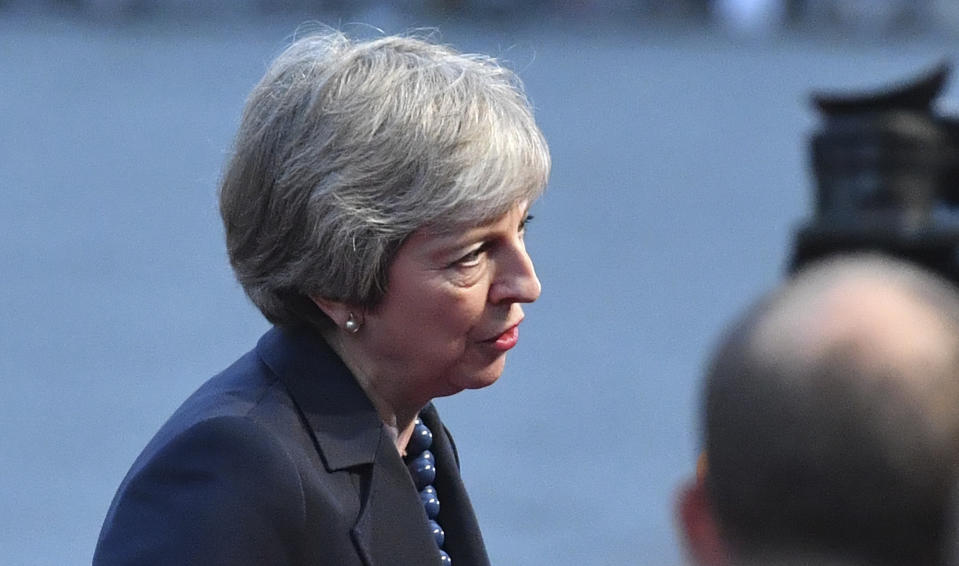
x: 464, y: 279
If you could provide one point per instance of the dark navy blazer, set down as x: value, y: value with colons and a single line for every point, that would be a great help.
x: 282, y: 460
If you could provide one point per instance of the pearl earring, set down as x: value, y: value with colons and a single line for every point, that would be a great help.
x: 351, y: 325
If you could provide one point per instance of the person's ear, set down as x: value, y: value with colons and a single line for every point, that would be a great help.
x: 700, y: 532
x: 344, y: 316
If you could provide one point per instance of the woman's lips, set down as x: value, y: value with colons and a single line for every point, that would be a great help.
x: 507, y: 340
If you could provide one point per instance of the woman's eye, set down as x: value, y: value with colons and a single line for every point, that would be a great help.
x: 526, y: 220
x: 471, y: 258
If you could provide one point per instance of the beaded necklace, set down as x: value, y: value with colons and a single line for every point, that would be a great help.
x: 422, y: 468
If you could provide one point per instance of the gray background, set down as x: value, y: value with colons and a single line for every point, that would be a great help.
x: 679, y: 175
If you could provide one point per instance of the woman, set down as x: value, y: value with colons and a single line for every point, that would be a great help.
x: 374, y: 208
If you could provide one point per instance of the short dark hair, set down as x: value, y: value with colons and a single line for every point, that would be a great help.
x: 830, y: 447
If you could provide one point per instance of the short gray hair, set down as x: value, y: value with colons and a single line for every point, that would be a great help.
x: 347, y: 147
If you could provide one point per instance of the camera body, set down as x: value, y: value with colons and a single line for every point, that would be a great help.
x: 886, y: 167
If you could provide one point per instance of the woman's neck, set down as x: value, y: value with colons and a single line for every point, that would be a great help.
x: 401, y: 437
x: 398, y: 416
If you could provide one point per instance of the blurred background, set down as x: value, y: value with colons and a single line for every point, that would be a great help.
x: 679, y: 134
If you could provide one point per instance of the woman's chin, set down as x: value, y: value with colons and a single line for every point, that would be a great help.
x: 484, y: 377
x: 484, y: 382
x: 487, y: 376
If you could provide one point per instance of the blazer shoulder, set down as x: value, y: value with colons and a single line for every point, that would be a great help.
x: 172, y: 507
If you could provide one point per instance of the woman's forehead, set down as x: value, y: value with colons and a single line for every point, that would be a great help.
x: 464, y: 222
x: 445, y: 235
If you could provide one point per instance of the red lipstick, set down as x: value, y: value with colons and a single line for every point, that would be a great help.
x: 508, y: 339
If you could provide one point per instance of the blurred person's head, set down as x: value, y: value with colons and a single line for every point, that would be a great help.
x: 831, y: 423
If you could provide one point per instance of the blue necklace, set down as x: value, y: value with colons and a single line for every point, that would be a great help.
x: 422, y: 468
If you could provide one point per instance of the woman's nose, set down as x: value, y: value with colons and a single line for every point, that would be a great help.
x: 516, y: 281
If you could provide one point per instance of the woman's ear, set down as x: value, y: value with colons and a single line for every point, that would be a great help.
x: 697, y: 522
x: 338, y: 312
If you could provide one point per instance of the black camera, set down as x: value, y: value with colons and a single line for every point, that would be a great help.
x: 886, y: 166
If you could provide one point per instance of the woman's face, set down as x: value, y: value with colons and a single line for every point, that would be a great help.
x: 452, y: 309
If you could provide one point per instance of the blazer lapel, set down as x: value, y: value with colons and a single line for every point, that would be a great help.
x: 342, y: 419
x: 464, y: 541
x: 391, y: 526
